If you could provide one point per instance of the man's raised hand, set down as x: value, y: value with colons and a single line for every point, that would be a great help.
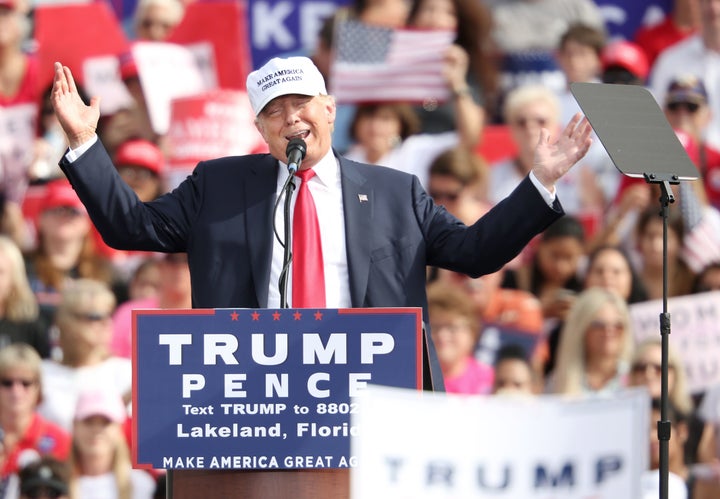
x: 554, y: 159
x: 78, y: 120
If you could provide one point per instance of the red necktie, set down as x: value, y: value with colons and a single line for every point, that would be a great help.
x: 308, y: 288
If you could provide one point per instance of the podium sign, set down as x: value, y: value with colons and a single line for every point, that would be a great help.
x: 262, y: 388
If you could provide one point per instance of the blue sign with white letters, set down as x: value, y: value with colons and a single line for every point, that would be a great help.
x: 262, y: 388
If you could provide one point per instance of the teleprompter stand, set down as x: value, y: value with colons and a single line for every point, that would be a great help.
x: 641, y: 143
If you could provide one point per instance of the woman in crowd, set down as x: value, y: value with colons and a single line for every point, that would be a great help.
x: 553, y: 273
x: 100, y: 464
x: 595, y: 346
x: 645, y: 371
x: 154, y: 20
x: 610, y: 267
x: 20, y: 96
x: 65, y: 250
x: 455, y: 331
x: 470, y: 71
x: 145, y: 281
x: 84, y: 322
x: 25, y: 434
x: 649, y: 240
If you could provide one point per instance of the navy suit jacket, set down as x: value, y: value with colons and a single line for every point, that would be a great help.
x: 221, y: 215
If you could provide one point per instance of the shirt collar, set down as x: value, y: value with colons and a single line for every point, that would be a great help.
x: 326, y: 170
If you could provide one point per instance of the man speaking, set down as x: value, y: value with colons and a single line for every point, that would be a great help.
x: 362, y: 234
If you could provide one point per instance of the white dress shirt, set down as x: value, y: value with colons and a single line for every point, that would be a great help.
x: 327, y: 194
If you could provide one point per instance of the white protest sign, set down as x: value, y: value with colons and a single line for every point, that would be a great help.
x: 17, y: 138
x: 694, y: 333
x: 167, y: 71
x: 433, y: 445
x: 204, y: 55
x: 102, y: 79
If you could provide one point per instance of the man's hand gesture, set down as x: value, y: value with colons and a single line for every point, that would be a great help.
x: 78, y: 120
x: 553, y: 160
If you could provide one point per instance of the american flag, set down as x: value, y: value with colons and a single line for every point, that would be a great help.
x: 381, y: 64
x: 701, y: 244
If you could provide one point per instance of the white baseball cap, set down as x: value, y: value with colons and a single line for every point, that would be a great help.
x: 283, y: 76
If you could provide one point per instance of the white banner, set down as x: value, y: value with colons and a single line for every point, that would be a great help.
x: 168, y: 71
x: 694, y: 333
x: 432, y: 445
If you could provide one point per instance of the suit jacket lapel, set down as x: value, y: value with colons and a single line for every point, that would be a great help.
x: 260, y: 194
x: 358, y: 209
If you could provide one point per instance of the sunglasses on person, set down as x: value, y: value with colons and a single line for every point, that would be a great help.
x: 90, y: 316
x: 642, y: 367
x: 11, y: 382
x: 690, y: 107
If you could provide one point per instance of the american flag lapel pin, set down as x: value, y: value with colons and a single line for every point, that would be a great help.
x: 362, y: 198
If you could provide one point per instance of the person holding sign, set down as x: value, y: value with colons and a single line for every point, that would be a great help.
x: 375, y: 229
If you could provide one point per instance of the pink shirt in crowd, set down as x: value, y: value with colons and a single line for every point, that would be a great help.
x: 476, y: 379
x: 121, y: 343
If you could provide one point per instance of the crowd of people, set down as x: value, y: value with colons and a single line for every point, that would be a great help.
x: 66, y: 296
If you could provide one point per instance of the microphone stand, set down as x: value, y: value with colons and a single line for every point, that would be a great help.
x: 295, y: 152
x: 286, y: 241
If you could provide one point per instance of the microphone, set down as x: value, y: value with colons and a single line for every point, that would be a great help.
x: 295, y: 153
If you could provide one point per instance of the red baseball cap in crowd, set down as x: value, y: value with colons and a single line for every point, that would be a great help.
x: 10, y: 4
x: 59, y: 193
x: 627, y: 55
x: 100, y: 403
x: 140, y: 152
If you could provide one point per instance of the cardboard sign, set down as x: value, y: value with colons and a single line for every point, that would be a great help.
x: 694, y: 333
x: 167, y: 71
x: 222, y: 26
x: 262, y: 388
x: 72, y: 33
x: 207, y: 126
x: 101, y: 75
x: 211, y: 125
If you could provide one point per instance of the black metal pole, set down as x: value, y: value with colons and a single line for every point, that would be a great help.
x: 663, y: 426
x: 169, y: 484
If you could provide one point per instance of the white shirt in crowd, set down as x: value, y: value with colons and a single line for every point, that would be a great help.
x: 62, y: 385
